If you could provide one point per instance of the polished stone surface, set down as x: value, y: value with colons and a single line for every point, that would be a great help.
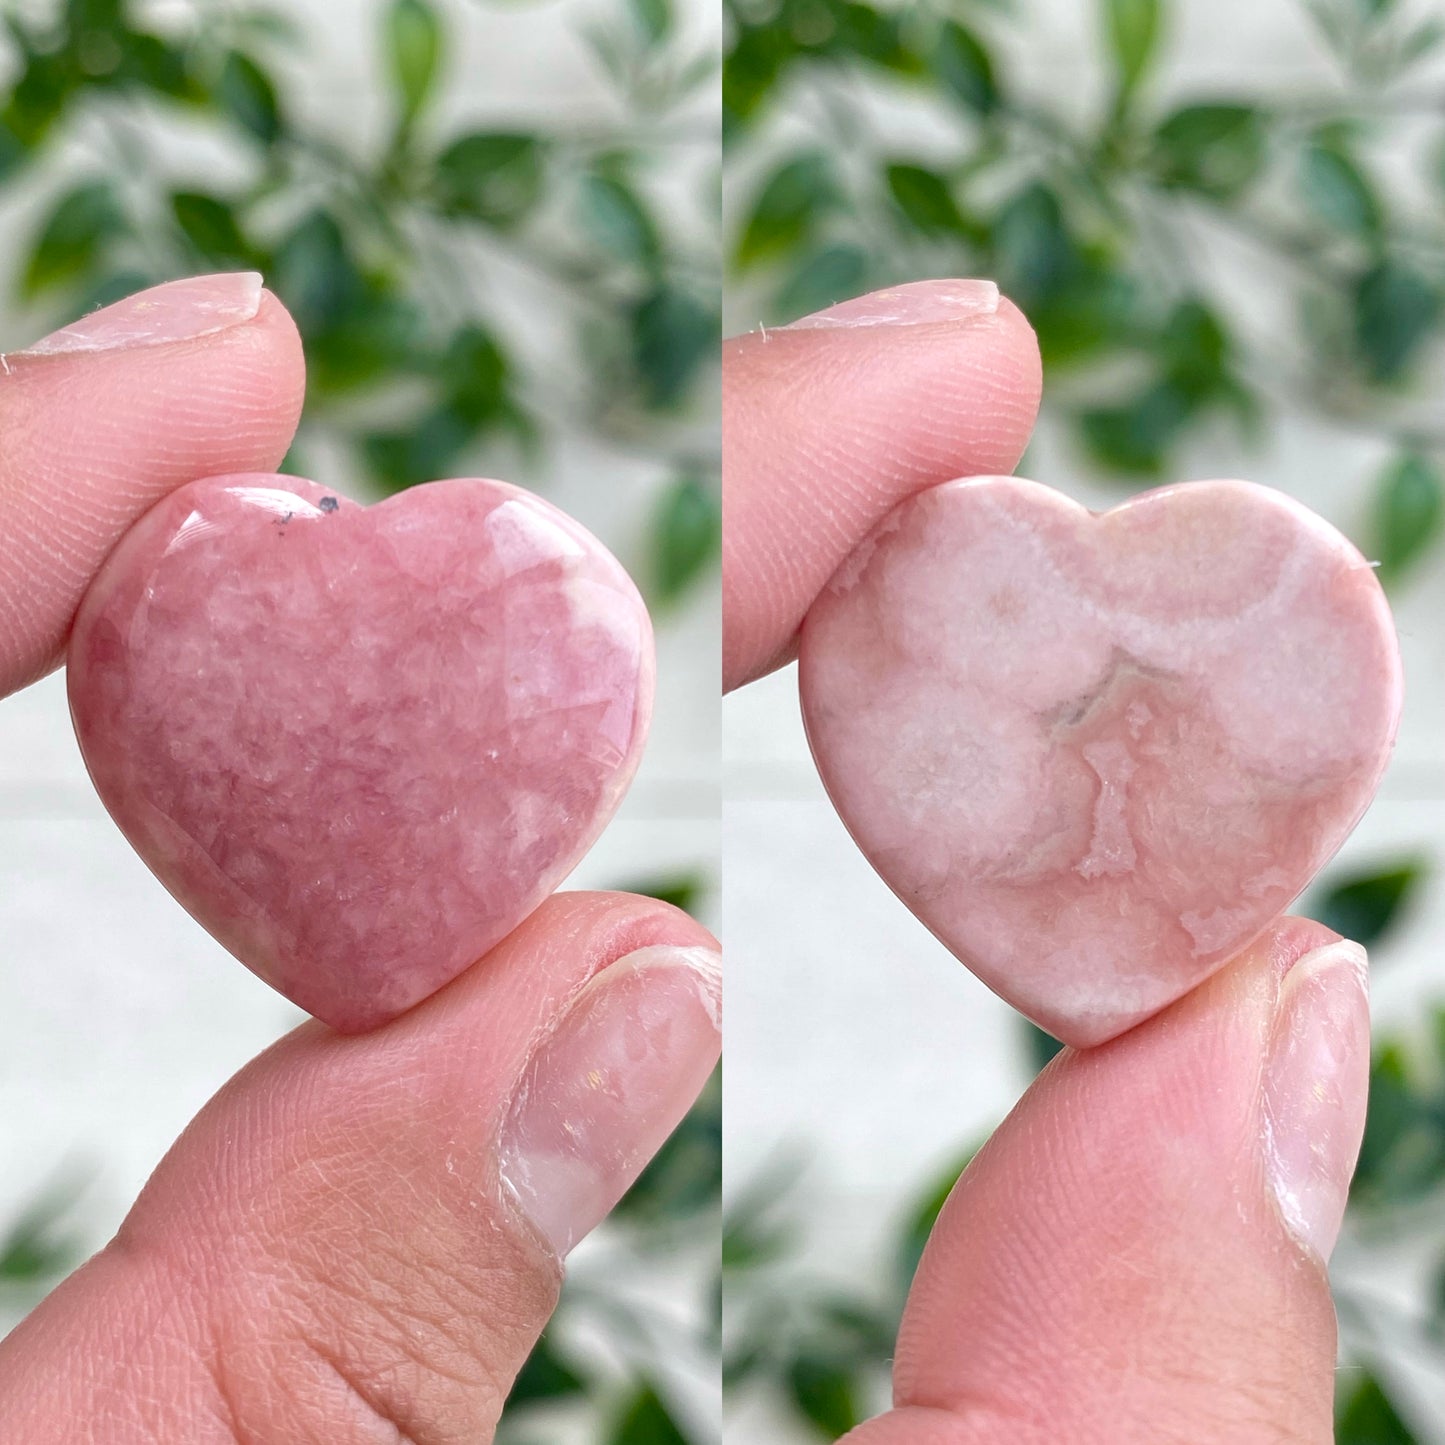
x: 1098, y: 755
x: 360, y: 745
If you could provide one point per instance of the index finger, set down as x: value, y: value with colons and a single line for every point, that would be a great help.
x: 830, y: 422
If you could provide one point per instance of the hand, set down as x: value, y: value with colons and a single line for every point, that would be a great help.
x: 1137, y: 1256
x: 359, y: 1238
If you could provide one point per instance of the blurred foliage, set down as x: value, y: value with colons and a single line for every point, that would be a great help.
x: 1367, y: 1417
x: 397, y: 247
x: 682, y: 890
x: 1104, y: 218
x: 41, y: 1244
x: 1369, y: 906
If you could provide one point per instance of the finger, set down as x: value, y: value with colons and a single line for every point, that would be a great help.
x: 360, y: 1238
x: 1138, y: 1253
x: 102, y: 419
x: 827, y: 424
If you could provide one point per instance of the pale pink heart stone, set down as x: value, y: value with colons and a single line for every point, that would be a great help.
x: 360, y: 745
x: 1098, y: 754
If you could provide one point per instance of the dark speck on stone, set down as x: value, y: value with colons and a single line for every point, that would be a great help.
x: 329, y: 504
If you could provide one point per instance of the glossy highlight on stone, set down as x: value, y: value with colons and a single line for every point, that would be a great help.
x: 1098, y: 754
x: 360, y: 745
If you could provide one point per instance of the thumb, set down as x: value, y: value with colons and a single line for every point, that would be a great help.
x: 829, y: 422
x: 1139, y: 1252
x: 361, y: 1237
x: 197, y: 378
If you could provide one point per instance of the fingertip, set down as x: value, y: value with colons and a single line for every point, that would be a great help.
x: 1126, y: 1210
x: 826, y: 429
x: 97, y: 434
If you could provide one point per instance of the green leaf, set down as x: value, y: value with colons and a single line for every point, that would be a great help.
x: 1402, y: 1156
x: 73, y: 238
x: 1039, y: 1047
x: 40, y: 96
x: 923, y: 1214
x: 211, y: 226
x: 673, y: 335
x: 315, y: 274
x: 825, y: 1392
x: 760, y: 55
x: 822, y: 277
x: 871, y: 35
x: 654, y: 18
x: 617, y: 219
x: 925, y: 199
x: 151, y: 63
x: 682, y: 890
x: 248, y: 95
x: 753, y: 57
x: 1367, y: 907
x: 1134, y: 440
x: 476, y: 372
x: 787, y: 208
x: 1035, y: 254
x: 36, y: 1250
x: 645, y: 1420
x: 1216, y: 150
x: 686, y: 537
x: 685, y: 1175
x: 427, y: 449
x: 1406, y: 514
x: 1335, y: 189
x: 545, y: 1377
x: 1133, y: 30
x: 491, y: 176
x: 1367, y: 1417
x: 414, y: 51
x: 1195, y: 350
x: 13, y: 151
x: 1425, y: 39
x: 757, y: 1227
x: 1396, y: 309
x: 83, y: 15
x: 966, y: 69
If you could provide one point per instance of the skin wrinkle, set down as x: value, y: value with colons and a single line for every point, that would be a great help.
x: 393, y: 1432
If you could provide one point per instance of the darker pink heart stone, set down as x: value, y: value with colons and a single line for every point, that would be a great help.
x: 1098, y: 755
x: 360, y: 745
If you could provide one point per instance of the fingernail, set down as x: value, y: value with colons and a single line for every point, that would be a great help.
x: 1316, y: 1080
x: 178, y: 311
x: 919, y: 303
x: 608, y: 1085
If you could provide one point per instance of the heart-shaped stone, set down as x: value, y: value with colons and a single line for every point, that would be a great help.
x: 360, y: 745
x: 1098, y: 754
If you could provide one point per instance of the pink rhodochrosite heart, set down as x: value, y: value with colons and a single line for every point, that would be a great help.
x: 1098, y: 754
x: 360, y: 745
